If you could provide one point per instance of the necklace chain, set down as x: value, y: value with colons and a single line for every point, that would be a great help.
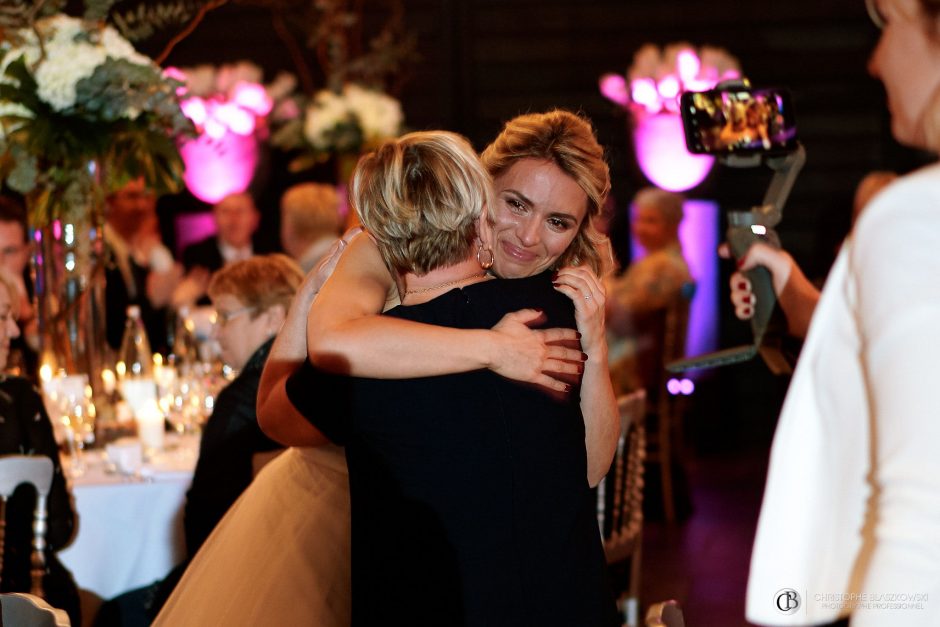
x: 422, y: 290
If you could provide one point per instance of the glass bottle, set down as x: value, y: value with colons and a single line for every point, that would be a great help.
x: 135, y: 363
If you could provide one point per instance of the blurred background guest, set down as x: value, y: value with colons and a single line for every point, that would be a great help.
x: 310, y: 222
x: 236, y: 220
x: 25, y: 429
x: 251, y: 298
x: 637, y: 300
x: 14, y: 258
x: 140, y: 269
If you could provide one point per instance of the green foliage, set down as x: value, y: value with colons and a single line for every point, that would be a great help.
x: 125, y: 117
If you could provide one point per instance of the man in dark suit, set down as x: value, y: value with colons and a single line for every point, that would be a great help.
x: 236, y: 219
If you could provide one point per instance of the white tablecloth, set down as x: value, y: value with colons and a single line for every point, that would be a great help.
x: 130, y: 530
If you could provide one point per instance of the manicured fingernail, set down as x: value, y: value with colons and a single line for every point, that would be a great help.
x: 541, y: 311
x: 555, y: 284
x: 584, y: 356
x: 747, y: 299
x: 578, y: 334
x: 580, y: 369
x: 742, y: 285
x: 740, y: 262
x: 747, y: 311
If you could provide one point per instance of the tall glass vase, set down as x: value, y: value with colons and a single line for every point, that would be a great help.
x: 66, y: 225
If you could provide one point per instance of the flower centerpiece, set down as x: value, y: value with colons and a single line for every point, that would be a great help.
x: 650, y: 92
x: 81, y: 112
x: 73, y: 91
x: 343, y: 124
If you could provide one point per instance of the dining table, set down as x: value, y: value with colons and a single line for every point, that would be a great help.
x: 130, y: 517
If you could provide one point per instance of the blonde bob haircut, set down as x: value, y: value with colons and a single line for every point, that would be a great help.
x: 420, y: 197
x: 259, y: 282
x: 568, y: 141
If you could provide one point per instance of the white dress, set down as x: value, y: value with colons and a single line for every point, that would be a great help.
x: 280, y: 556
x: 850, y: 522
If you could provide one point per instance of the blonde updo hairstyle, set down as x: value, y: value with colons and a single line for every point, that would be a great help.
x: 568, y: 141
x: 259, y: 282
x: 420, y: 197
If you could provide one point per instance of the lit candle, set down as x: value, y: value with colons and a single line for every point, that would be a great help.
x: 108, y: 380
x: 150, y: 426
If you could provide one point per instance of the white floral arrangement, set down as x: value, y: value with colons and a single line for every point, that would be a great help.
x: 354, y: 120
x: 72, y: 90
x: 659, y: 75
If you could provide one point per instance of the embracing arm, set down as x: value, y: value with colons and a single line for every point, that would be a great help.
x: 345, y: 334
x: 277, y: 416
x: 598, y: 403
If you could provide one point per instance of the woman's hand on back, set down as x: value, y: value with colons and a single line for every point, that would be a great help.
x: 525, y: 354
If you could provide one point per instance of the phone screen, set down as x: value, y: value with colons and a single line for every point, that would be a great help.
x: 738, y: 120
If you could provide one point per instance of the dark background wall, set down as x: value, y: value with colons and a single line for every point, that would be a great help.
x: 484, y: 61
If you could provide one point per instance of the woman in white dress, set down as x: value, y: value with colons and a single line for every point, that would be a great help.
x: 850, y: 523
x: 281, y: 554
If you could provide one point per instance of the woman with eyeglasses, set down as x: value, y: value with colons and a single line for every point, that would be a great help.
x: 251, y: 298
x: 849, y: 529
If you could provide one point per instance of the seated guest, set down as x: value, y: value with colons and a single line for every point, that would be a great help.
x: 310, y: 222
x: 139, y: 267
x: 14, y: 258
x: 236, y: 219
x: 25, y: 430
x: 251, y: 298
x: 637, y: 300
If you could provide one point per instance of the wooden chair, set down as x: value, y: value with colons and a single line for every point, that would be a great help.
x: 36, y: 470
x: 25, y: 610
x: 669, y: 408
x: 620, y: 500
x: 665, y: 614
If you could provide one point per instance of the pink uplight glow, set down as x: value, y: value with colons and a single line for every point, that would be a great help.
x: 218, y: 167
x: 657, y: 78
x: 253, y: 97
x: 662, y: 155
x: 222, y: 159
x: 614, y: 87
x: 195, y: 110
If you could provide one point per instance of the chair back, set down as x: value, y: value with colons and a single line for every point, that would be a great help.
x: 620, y: 493
x: 26, y: 610
x: 665, y: 614
x: 35, y: 470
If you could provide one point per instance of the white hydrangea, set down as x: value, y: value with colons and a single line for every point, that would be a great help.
x: 327, y: 111
x: 70, y: 57
x: 59, y: 73
x: 380, y: 115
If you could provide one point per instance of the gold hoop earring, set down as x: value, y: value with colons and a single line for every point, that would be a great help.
x: 485, y: 257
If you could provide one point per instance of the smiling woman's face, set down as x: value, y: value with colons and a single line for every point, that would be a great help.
x: 538, y: 212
